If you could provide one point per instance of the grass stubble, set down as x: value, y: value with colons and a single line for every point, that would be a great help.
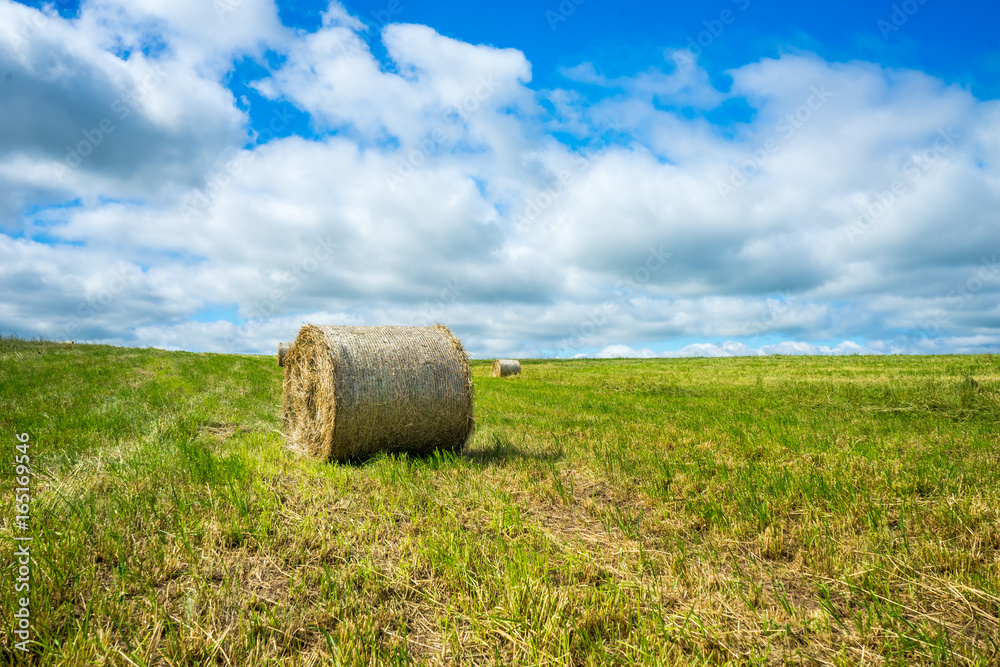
x: 819, y: 510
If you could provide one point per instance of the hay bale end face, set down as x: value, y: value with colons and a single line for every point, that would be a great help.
x: 506, y: 367
x: 351, y: 392
x: 282, y: 352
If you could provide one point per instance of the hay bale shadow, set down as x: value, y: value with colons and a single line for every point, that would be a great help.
x: 499, y: 450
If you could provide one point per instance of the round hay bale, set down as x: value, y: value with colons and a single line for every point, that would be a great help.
x: 505, y: 367
x: 350, y: 392
x: 282, y: 351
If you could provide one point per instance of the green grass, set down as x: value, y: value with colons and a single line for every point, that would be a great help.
x: 834, y: 510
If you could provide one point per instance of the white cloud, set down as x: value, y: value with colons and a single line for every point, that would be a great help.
x: 731, y: 348
x: 623, y: 351
x: 857, y: 205
x: 88, y: 115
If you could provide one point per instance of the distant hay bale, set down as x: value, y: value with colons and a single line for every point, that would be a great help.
x: 350, y: 392
x: 282, y: 352
x: 505, y: 367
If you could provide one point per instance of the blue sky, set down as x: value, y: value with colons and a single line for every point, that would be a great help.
x: 636, y: 179
x: 955, y: 42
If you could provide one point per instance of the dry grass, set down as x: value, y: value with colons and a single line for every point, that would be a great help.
x: 819, y: 511
x: 506, y: 367
x: 352, y: 392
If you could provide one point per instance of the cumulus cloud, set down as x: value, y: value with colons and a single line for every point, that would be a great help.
x: 854, y: 212
x: 731, y: 348
x: 88, y: 115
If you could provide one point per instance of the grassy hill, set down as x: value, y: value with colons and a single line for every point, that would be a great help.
x: 762, y: 510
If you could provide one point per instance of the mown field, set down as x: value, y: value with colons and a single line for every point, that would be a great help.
x: 750, y: 510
